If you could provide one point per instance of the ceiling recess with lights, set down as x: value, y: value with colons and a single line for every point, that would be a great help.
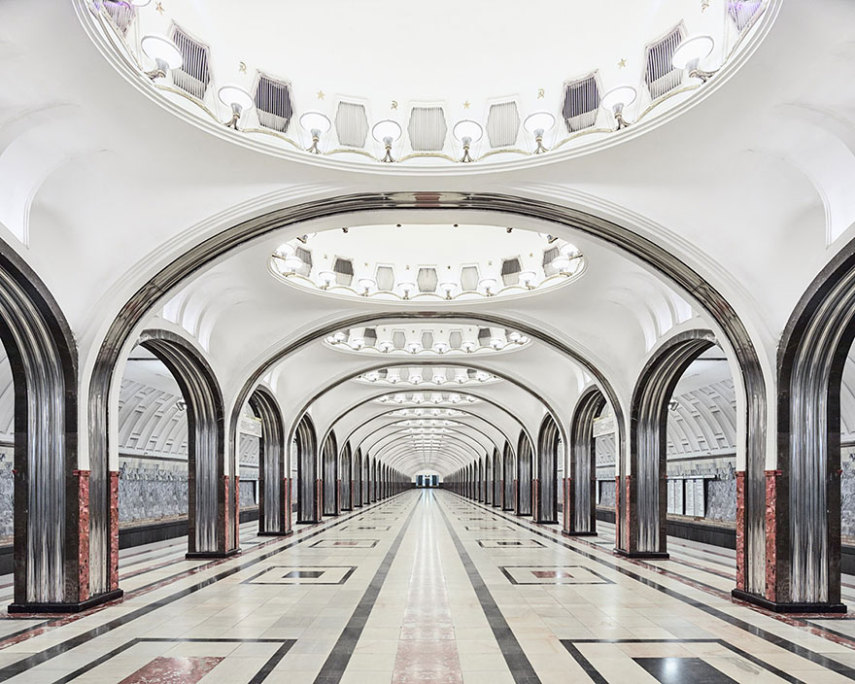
x: 427, y: 340
x: 476, y: 82
x: 427, y: 263
x: 427, y: 376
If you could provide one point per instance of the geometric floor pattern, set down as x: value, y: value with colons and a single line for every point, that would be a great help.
x: 422, y: 587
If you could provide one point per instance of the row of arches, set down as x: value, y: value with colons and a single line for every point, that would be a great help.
x: 789, y: 544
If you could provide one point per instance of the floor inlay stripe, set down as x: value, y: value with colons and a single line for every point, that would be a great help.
x: 519, y: 665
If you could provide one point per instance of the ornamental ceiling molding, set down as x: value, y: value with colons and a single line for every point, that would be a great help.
x: 110, y: 32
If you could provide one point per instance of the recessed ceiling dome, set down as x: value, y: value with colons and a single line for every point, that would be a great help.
x: 433, y: 263
x: 427, y: 399
x: 448, y: 82
x: 431, y: 376
x: 427, y: 339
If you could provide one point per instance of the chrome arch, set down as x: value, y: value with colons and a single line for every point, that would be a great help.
x: 274, y: 505
x: 580, y: 499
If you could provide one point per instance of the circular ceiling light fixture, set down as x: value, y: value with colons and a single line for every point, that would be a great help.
x: 238, y: 100
x: 689, y: 54
x: 316, y: 124
x: 616, y: 100
x: 164, y: 53
x: 386, y: 132
x: 467, y: 132
x: 538, y: 124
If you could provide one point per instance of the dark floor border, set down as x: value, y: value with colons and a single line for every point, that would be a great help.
x: 258, y: 677
x: 781, y: 642
x: 336, y: 663
x: 51, y: 652
x: 506, y: 568
x: 516, y: 659
x: 594, y: 673
x: 350, y: 570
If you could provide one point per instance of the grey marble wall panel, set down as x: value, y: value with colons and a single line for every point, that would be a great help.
x: 7, y: 458
x: 847, y: 494
x: 247, y: 494
x: 151, y: 489
x: 607, y: 493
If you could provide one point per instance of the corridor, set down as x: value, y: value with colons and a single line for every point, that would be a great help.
x: 427, y: 587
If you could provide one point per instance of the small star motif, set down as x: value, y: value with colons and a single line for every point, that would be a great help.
x: 321, y: 94
x: 467, y: 104
x: 242, y: 67
x: 159, y: 8
x: 622, y: 63
x: 705, y: 5
x: 541, y: 92
x: 394, y: 104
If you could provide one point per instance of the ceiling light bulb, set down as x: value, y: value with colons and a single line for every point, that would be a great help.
x: 415, y: 378
x: 527, y: 279
x: 373, y: 376
x: 690, y: 53
x: 414, y: 347
x: 407, y: 286
x: 386, y: 132
x: 316, y: 124
x: 340, y: 337
x: 366, y: 285
x: 514, y: 336
x: 441, y: 347
x: 439, y: 378
x: 164, y: 53
x: 616, y: 100
x: 537, y: 124
x: 357, y: 343
x: 497, y: 343
x: 467, y: 132
x: 469, y: 346
x: 489, y: 286
x: 238, y: 100
x: 448, y: 287
x: 327, y: 279
x: 482, y: 376
x: 386, y: 346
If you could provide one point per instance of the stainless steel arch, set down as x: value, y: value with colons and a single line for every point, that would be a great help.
x: 620, y: 237
x: 579, y: 500
x: 274, y: 500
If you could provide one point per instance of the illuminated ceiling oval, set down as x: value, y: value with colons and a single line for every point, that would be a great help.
x: 424, y: 90
x: 426, y: 376
x: 427, y: 262
x: 427, y: 340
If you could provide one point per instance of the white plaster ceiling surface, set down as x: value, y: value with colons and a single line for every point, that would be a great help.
x: 350, y: 65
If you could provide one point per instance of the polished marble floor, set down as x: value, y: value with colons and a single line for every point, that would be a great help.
x: 427, y: 587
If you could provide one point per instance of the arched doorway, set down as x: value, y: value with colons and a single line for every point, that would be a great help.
x: 580, y: 486
x: 213, y: 496
x: 545, y: 485
x: 524, y: 475
x: 308, y: 505
x: 274, y: 501
x: 330, y: 476
x: 347, y: 483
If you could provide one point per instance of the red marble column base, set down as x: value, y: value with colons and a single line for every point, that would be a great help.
x: 81, y: 598
x: 568, y: 505
x: 83, y: 532
x: 114, y: 531
x: 740, y: 530
x: 535, y: 500
x: 772, y: 534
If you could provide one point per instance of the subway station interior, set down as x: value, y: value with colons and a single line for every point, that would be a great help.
x: 455, y: 342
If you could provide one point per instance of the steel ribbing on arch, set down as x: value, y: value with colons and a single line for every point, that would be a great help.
x: 307, y: 470
x: 625, y: 240
x: 208, y: 533
x: 273, y: 500
x: 546, y: 481
x: 580, y: 500
x: 648, y: 443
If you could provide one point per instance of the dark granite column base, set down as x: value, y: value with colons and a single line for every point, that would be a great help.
x: 662, y: 555
x: 307, y: 522
x: 578, y: 534
x: 547, y: 522
x: 194, y: 555
x: 38, y: 608
x: 276, y: 534
x: 777, y: 607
